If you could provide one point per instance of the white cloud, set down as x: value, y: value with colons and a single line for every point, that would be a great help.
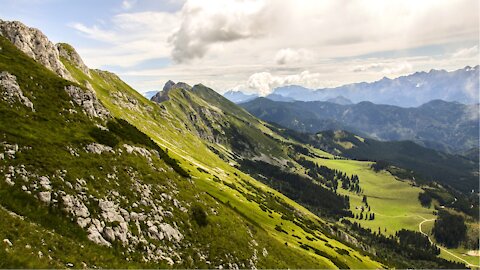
x: 128, y: 4
x: 289, y: 56
x: 466, y: 52
x: 205, y: 23
x: 131, y: 38
x: 264, y: 82
x: 223, y: 42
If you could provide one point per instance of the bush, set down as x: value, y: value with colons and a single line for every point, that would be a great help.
x: 104, y: 137
x: 199, y: 215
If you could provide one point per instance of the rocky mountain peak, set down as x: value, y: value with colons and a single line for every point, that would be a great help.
x: 35, y: 44
x: 68, y: 52
x: 163, y: 95
x: 168, y: 85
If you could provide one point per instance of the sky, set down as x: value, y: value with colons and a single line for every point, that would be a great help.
x: 258, y: 45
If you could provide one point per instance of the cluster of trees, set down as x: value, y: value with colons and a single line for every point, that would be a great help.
x: 329, y: 177
x: 449, y: 229
x: 425, y: 199
x: 367, y: 216
x: 405, y: 249
x: 467, y: 204
x: 315, y: 197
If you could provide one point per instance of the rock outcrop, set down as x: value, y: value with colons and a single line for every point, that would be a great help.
x: 11, y: 90
x: 68, y: 52
x: 35, y: 44
x: 88, y: 101
x: 98, y: 148
x: 163, y: 95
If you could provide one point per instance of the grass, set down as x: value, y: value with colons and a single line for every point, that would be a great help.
x: 394, y: 202
x: 169, y: 125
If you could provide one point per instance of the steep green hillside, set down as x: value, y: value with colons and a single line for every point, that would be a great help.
x: 215, y: 148
x: 192, y: 142
x: 100, y: 189
x: 95, y: 175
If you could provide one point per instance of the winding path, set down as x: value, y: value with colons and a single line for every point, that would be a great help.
x: 440, y: 247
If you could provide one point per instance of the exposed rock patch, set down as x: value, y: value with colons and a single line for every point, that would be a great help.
x: 11, y: 91
x: 35, y: 44
x: 68, y: 52
x: 163, y: 95
x: 98, y: 148
x: 88, y: 101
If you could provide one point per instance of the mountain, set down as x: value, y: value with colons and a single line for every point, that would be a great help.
x: 406, y: 91
x: 427, y: 164
x: 275, y: 97
x: 340, y: 100
x: 238, y: 96
x: 295, y: 92
x: 441, y: 125
x: 96, y: 175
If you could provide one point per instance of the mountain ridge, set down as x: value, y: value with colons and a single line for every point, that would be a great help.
x: 405, y: 91
x: 162, y: 188
x: 441, y: 125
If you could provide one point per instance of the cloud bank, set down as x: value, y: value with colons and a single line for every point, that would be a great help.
x: 262, y: 44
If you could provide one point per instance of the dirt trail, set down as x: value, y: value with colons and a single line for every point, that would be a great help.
x: 440, y: 247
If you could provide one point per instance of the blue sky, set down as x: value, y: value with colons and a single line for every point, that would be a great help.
x: 257, y: 45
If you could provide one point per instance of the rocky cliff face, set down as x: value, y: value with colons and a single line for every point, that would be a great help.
x: 68, y: 52
x: 35, y: 44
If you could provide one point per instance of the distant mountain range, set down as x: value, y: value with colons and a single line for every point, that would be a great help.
x: 406, y: 91
x: 239, y: 96
x: 441, y: 125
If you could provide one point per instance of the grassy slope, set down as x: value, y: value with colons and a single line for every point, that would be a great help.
x: 394, y: 202
x: 165, y: 126
x: 65, y: 242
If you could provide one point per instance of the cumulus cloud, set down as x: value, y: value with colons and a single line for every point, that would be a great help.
x: 206, y: 23
x: 289, y: 56
x: 264, y: 82
x: 224, y: 42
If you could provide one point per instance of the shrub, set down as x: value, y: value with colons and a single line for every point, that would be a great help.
x: 104, y: 137
x: 199, y: 215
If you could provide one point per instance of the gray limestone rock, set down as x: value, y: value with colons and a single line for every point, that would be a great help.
x: 163, y: 95
x: 45, y: 196
x: 35, y: 44
x: 68, y: 52
x: 74, y: 206
x: 170, y: 232
x: 110, y: 211
x: 98, y: 148
x: 11, y: 91
x: 87, y: 99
